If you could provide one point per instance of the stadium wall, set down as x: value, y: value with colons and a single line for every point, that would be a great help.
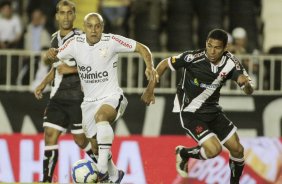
x: 255, y: 115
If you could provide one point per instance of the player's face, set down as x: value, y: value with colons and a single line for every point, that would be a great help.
x: 93, y: 28
x: 65, y: 17
x: 215, y: 49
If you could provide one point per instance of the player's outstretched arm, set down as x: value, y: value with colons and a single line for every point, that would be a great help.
x: 66, y: 69
x: 148, y: 96
x: 245, y: 83
x: 146, y: 54
x: 48, y: 78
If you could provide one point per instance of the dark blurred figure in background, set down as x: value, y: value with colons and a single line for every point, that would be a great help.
x: 10, y: 26
x: 116, y: 14
x: 240, y: 47
x: 147, y: 19
x: 48, y: 7
x: 36, y: 37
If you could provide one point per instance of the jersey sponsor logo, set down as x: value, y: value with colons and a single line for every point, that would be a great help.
x: 196, y: 82
x: 203, y: 85
x: 209, y: 86
x: 189, y: 57
x: 80, y: 39
x: 232, y: 57
x: 89, y: 76
x: 66, y: 44
x: 173, y: 59
x: 122, y: 42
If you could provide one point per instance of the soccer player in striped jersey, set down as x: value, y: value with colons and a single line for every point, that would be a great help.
x: 205, y: 71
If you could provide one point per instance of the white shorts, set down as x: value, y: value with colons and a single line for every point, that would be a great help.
x: 89, y: 109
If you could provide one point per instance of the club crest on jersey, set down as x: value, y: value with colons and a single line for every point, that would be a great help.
x: 223, y: 75
x: 103, y: 52
x: 189, y: 57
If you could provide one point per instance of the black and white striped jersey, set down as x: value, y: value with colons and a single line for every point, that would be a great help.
x: 201, y: 81
x: 66, y: 86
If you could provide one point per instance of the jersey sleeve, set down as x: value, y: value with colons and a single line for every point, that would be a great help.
x: 180, y: 61
x: 122, y: 44
x: 67, y: 50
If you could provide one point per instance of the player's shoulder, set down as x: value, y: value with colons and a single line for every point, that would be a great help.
x: 54, y: 35
x: 106, y: 37
x: 192, y: 55
x: 77, y: 31
x: 231, y: 57
x: 80, y: 38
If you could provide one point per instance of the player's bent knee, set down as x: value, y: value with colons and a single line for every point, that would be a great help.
x: 238, y: 152
x: 51, y: 136
x: 213, y: 151
x: 81, y: 140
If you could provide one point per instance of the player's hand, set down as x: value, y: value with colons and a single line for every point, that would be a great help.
x: 66, y: 69
x: 242, y: 80
x: 152, y: 74
x: 51, y: 54
x: 148, y: 97
x: 38, y: 91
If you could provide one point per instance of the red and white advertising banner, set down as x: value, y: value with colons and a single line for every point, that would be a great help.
x: 145, y: 159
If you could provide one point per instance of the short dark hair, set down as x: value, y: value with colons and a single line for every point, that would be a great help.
x: 65, y: 3
x: 5, y: 3
x: 218, y: 34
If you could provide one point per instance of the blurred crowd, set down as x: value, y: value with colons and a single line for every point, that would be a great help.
x: 163, y: 25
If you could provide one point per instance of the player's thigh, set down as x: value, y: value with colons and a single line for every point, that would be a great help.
x: 81, y: 140
x: 74, y: 116
x: 222, y: 127
x: 55, y: 116
x: 89, y: 110
x: 51, y: 135
x: 212, y: 147
x: 234, y: 146
x: 111, y: 108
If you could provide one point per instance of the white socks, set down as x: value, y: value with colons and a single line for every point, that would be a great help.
x: 105, y: 136
x: 112, y: 169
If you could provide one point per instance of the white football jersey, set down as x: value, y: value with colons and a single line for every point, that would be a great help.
x: 97, y: 64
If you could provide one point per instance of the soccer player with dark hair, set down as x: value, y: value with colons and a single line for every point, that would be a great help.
x: 205, y: 71
x: 63, y: 110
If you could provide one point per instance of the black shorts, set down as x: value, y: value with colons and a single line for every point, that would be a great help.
x: 201, y: 126
x: 63, y: 115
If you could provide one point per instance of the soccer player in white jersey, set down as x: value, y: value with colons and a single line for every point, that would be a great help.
x: 96, y: 54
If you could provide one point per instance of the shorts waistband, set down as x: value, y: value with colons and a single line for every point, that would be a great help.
x: 92, y: 99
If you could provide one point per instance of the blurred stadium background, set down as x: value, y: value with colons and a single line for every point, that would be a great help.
x: 167, y: 27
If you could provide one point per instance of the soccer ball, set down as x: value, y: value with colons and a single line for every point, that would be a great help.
x: 84, y: 171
